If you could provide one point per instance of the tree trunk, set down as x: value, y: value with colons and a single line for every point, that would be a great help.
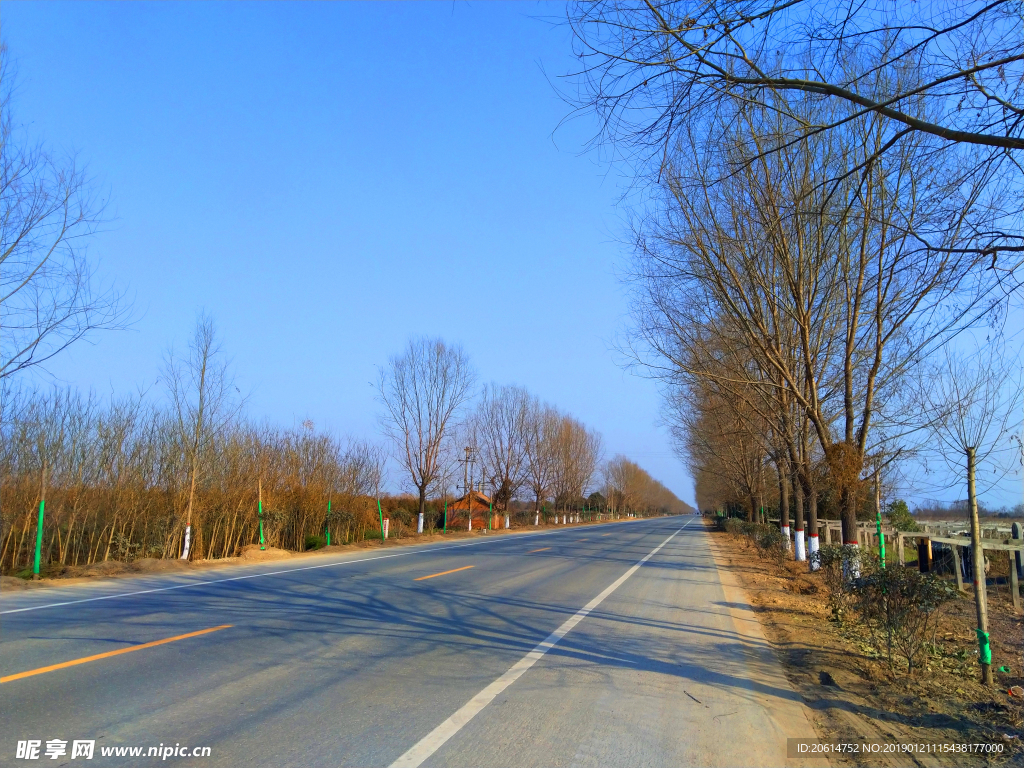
x: 849, y: 507
x: 801, y: 546
x: 784, y: 503
x: 812, y: 521
x: 978, y: 558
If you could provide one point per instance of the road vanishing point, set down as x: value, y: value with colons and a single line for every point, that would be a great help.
x: 620, y: 644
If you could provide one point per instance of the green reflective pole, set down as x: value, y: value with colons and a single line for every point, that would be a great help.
x: 260, y: 496
x: 328, y: 526
x: 39, y: 525
x: 380, y: 516
x: 445, y: 517
x: 39, y: 538
x: 490, y: 513
x: 881, y: 540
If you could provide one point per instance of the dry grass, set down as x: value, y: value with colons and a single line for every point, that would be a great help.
x: 849, y: 687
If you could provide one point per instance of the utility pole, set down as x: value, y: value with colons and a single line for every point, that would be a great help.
x: 467, y: 481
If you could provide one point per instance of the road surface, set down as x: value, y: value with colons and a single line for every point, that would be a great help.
x: 606, y: 645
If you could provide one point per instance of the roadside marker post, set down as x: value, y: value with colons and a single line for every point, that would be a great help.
x: 380, y: 516
x: 39, y: 525
x: 327, y: 528
x: 445, y: 529
x: 262, y: 542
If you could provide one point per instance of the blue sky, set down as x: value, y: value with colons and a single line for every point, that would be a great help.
x: 329, y: 179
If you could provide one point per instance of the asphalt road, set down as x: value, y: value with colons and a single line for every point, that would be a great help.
x: 608, y: 645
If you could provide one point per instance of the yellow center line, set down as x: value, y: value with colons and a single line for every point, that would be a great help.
x: 443, y: 573
x: 606, y: 534
x: 108, y: 654
x: 542, y: 549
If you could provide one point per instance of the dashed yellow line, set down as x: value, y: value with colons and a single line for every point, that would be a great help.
x: 108, y: 654
x: 443, y: 573
x: 542, y: 549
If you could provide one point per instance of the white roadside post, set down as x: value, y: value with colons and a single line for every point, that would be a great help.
x: 419, y: 524
x: 387, y: 521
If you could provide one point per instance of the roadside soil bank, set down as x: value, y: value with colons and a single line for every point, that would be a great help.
x: 846, y: 682
x: 61, y: 576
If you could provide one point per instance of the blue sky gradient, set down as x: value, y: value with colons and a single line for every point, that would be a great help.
x: 329, y: 179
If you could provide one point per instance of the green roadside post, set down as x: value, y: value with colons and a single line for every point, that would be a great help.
x: 39, y: 525
x: 327, y: 527
x: 263, y: 544
x: 490, y: 514
x: 380, y: 516
x: 881, y: 540
x: 445, y: 529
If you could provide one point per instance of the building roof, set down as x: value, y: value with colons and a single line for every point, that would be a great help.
x: 480, y: 502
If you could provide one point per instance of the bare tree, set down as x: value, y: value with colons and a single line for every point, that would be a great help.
x: 501, y: 420
x: 423, y: 391
x: 203, y: 396
x: 49, y: 297
x: 827, y: 290
x: 541, y: 428
x: 577, y: 453
x: 969, y: 402
x: 947, y: 74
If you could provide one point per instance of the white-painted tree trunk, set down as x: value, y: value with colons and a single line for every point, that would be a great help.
x: 785, y: 533
x: 812, y: 547
x: 419, y: 524
x: 188, y: 542
x: 507, y: 526
x: 536, y: 519
x: 801, y: 552
x: 851, y: 566
x: 387, y: 523
x: 470, y: 523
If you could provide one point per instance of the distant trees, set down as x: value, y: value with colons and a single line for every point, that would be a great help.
x: 134, y: 477
x: 424, y: 390
x: 119, y: 482
x: 630, y: 488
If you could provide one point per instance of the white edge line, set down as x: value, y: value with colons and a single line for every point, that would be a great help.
x: 411, y: 551
x: 433, y: 741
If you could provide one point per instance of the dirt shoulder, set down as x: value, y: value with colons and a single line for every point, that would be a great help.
x: 249, y: 555
x: 848, y: 687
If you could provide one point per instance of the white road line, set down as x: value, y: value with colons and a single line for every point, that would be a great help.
x: 414, y: 551
x: 433, y: 741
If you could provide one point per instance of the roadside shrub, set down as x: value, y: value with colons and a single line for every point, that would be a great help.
x: 900, y: 607
x: 840, y: 566
x: 735, y: 525
x: 770, y: 543
x: 315, y: 541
